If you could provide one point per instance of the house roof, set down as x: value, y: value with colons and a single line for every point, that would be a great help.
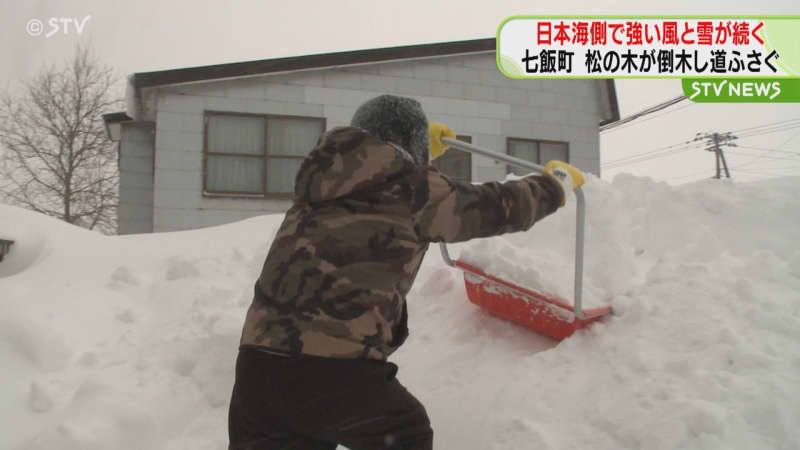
x: 116, y: 117
x: 321, y: 61
x: 612, y: 100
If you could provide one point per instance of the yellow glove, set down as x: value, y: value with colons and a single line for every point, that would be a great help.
x: 437, y: 131
x: 569, y: 177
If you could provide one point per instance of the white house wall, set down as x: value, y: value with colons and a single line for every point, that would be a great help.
x: 465, y: 92
x: 135, y: 210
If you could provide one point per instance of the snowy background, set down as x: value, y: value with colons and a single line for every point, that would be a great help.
x: 129, y: 342
x: 149, y: 35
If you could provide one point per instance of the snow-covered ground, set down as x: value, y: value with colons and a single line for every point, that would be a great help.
x: 129, y: 342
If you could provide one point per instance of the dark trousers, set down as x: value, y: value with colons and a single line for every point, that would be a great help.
x: 300, y: 403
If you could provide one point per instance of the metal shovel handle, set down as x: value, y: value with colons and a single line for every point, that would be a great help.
x: 580, y: 222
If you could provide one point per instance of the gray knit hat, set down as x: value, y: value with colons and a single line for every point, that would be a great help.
x: 399, y: 120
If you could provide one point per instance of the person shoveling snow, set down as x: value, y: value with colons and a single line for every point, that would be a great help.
x: 329, y: 306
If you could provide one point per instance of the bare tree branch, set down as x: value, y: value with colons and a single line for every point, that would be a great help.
x: 58, y: 160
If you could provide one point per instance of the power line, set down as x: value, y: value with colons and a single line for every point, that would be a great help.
x: 756, y: 130
x: 772, y: 131
x: 767, y: 149
x: 646, y: 156
x: 757, y: 157
x: 651, y: 157
x: 764, y: 157
x: 628, y: 125
x: 765, y: 125
x: 714, y: 143
x: 715, y: 140
x: 767, y: 152
x: 688, y: 175
x: 739, y: 168
x: 646, y: 152
x: 643, y: 113
x: 775, y: 129
x: 788, y: 140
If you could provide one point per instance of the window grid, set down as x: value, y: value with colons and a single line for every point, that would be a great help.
x: 442, y: 163
x: 265, y: 193
x: 537, y: 143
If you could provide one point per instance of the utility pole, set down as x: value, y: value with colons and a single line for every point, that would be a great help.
x: 715, y: 142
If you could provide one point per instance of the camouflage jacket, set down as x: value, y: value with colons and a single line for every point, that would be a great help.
x: 336, y: 276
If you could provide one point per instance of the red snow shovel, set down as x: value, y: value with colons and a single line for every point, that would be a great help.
x: 541, y: 312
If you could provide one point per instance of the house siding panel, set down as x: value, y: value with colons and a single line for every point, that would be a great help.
x: 467, y: 93
x: 135, y: 210
x: 430, y: 71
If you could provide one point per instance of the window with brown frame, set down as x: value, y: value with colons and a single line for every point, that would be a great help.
x: 456, y: 164
x: 537, y: 151
x: 254, y: 154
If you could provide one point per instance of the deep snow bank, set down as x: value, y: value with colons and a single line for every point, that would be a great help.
x: 129, y: 342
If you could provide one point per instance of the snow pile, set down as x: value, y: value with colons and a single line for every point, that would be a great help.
x: 703, y: 351
x: 631, y: 224
x: 129, y: 342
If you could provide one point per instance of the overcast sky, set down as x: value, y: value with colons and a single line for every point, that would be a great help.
x: 147, y: 35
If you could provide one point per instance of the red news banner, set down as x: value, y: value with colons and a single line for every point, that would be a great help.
x: 759, y: 57
x: 614, y: 47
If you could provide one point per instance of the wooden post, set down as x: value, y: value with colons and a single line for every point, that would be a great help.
x: 716, y: 153
x: 724, y: 163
